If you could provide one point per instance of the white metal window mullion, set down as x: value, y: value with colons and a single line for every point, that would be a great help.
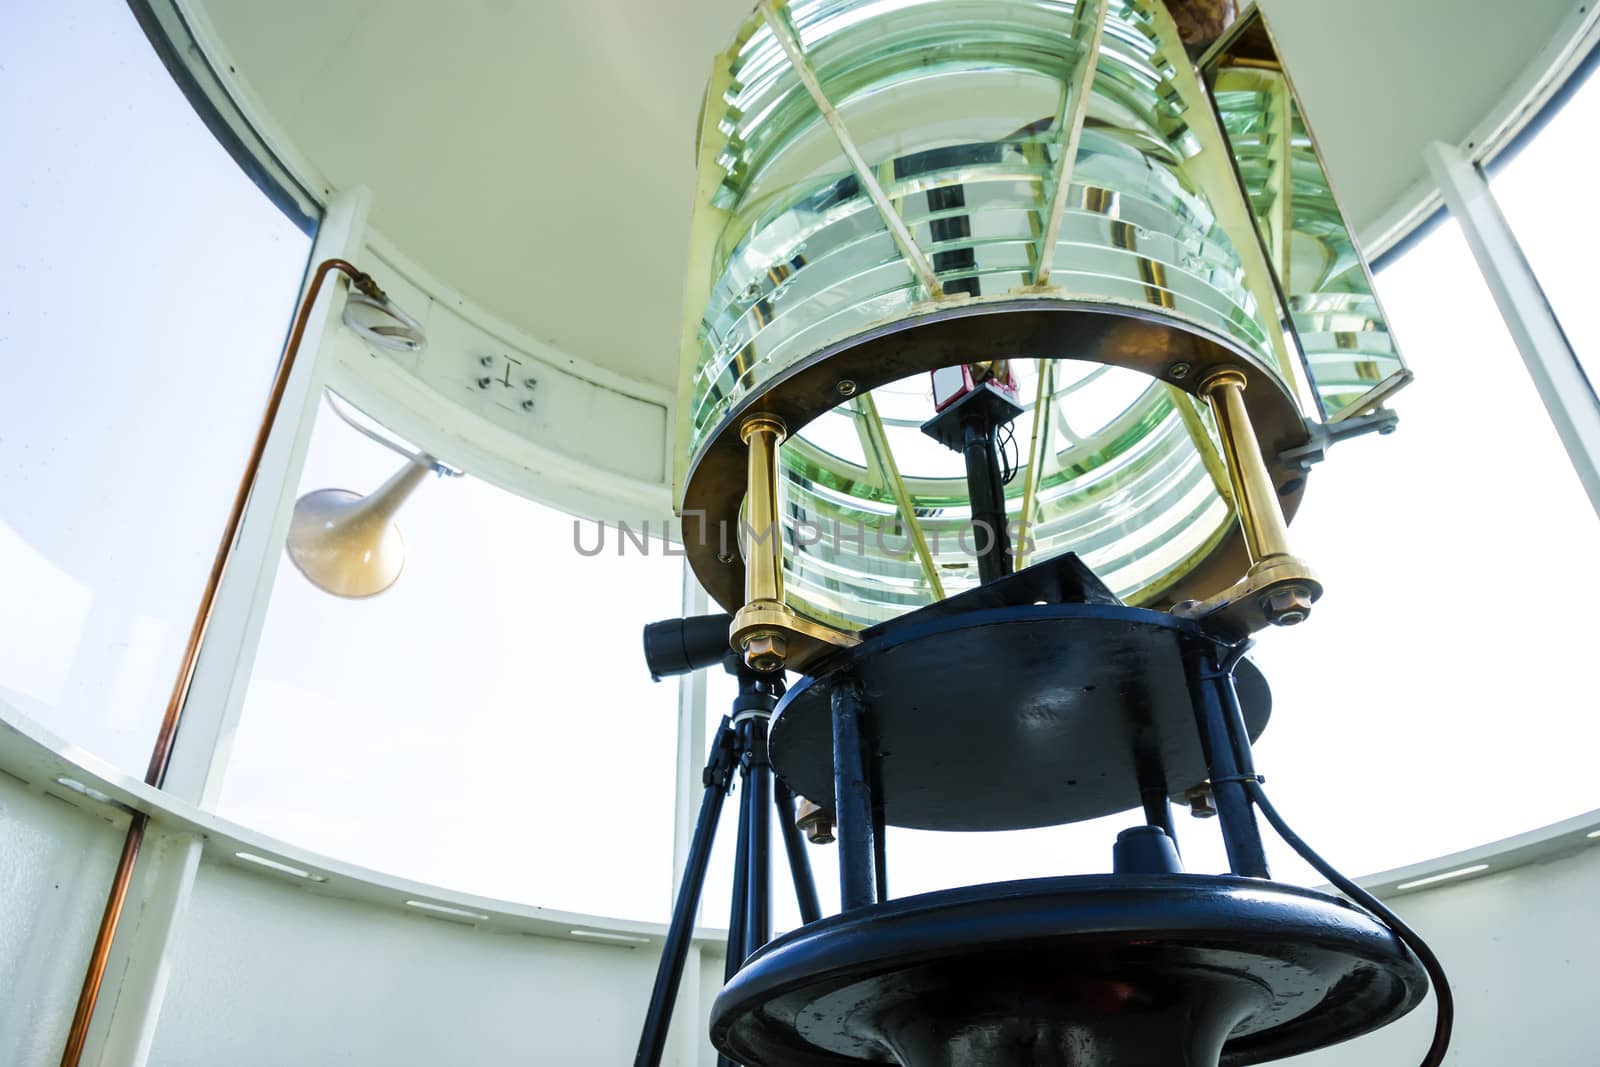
x: 687, y: 1036
x: 222, y: 674
x: 1566, y: 391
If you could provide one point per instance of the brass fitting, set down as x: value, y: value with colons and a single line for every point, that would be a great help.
x: 816, y: 821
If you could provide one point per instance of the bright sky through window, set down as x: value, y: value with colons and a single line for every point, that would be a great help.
x: 145, y: 288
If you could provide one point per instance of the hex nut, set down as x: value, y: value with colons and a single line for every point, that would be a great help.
x: 1287, y: 606
x: 766, y: 652
x: 816, y: 821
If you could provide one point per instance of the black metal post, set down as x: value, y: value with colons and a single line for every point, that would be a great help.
x: 1158, y: 809
x: 987, y: 494
x: 717, y: 776
x: 805, y: 886
x: 1243, y: 757
x: 741, y: 886
x: 758, y: 797
x: 880, y: 839
x: 1240, y: 835
x: 852, y: 799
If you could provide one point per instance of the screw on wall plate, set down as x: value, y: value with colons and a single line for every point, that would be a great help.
x: 1179, y: 370
x: 847, y: 387
x: 484, y: 383
x: 527, y: 405
x: 485, y: 361
x: 531, y: 383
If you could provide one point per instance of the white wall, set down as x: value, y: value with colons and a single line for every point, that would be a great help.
x: 267, y: 974
x: 1522, y: 949
x: 56, y: 862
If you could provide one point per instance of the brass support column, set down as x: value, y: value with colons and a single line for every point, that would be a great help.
x: 766, y: 631
x: 763, y: 537
x: 1279, y: 588
x: 1265, y: 533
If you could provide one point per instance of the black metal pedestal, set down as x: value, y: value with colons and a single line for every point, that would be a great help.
x: 1035, y: 700
x: 1096, y: 971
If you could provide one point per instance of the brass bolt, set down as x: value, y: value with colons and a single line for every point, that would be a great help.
x: 847, y: 387
x: 1288, y: 605
x: 816, y: 821
x: 766, y: 651
x: 1179, y: 370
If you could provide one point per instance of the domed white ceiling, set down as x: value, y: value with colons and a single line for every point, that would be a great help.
x: 537, y: 155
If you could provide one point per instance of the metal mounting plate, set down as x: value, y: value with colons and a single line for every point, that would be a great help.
x: 1013, y: 717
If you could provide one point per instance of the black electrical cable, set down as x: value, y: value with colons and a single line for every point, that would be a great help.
x: 1005, y: 446
x: 1444, y: 1020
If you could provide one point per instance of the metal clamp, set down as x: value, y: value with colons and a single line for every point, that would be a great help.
x: 1326, y: 435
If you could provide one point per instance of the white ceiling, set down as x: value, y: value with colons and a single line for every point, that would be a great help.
x: 537, y: 155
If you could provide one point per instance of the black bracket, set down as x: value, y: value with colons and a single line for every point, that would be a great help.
x: 1326, y: 434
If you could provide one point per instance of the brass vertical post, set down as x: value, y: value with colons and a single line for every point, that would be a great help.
x: 1279, y: 589
x: 1265, y: 533
x: 763, y: 536
x: 767, y: 632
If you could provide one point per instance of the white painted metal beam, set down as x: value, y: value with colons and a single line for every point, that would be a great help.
x: 1567, y: 393
x: 222, y: 675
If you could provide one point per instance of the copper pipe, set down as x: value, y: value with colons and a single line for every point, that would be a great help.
x: 161, y: 756
x: 102, y: 941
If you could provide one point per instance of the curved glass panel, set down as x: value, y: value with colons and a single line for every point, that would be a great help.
x: 148, y: 287
x: 1343, y: 333
x: 960, y: 107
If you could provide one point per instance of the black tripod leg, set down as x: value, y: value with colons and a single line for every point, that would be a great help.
x: 758, y: 799
x: 669, y: 973
x: 805, y: 886
x: 741, y: 884
x: 741, y: 889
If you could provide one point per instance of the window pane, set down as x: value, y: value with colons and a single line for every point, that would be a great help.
x: 487, y: 724
x: 1545, y: 193
x: 1437, y: 698
x: 147, y: 288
